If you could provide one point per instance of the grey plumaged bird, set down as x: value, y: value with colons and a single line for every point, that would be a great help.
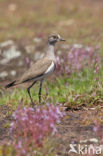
x: 40, y: 69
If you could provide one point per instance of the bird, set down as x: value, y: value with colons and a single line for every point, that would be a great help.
x: 40, y: 69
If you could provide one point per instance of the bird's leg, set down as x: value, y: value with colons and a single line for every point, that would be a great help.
x: 39, y: 94
x: 28, y: 90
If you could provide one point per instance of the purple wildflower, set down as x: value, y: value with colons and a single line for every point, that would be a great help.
x: 77, y: 59
x: 30, y: 127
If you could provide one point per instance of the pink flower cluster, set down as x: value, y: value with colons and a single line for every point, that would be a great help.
x: 30, y: 127
x: 78, y: 59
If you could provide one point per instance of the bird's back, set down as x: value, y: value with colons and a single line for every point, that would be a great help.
x: 37, y: 69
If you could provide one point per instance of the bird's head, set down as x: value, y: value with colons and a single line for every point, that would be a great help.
x: 53, y: 38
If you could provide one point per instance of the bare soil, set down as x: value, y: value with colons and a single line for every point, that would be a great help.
x: 5, y: 120
x: 76, y: 128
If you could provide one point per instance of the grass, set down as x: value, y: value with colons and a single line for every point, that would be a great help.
x: 71, y: 19
x: 78, y: 22
x: 73, y: 91
x: 79, y: 89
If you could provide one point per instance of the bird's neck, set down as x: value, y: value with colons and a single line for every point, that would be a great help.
x: 50, y: 52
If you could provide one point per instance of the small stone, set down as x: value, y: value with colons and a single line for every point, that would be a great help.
x: 6, y: 43
x: 93, y: 140
x: 3, y: 74
x: 13, y: 72
x: 10, y: 54
x: 83, y: 141
x: 77, y: 45
x: 92, y: 108
x: 37, y: 40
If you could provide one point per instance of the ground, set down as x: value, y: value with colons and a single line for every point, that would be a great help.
x: 76, y: 128
x: 23, y: 34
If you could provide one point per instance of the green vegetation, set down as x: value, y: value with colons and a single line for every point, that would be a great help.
x: 76, y: 90
x: 77, y: 21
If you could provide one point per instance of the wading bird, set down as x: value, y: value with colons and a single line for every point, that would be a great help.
x: 40, y: 69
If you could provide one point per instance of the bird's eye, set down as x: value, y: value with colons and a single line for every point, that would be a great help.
x: 54, y: 37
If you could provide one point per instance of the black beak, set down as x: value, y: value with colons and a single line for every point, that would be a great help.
x: 62, y: 39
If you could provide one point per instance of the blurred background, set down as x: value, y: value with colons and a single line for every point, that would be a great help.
x: 26, y: 24
x: 78, y: 80
x: 76, y: 20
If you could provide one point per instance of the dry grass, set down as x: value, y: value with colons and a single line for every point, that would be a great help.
x: 77, y: 20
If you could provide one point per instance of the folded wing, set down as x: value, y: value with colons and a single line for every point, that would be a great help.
x: 36, y: 70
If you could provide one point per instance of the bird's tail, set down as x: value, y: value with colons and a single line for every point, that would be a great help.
x: 11, y: 84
